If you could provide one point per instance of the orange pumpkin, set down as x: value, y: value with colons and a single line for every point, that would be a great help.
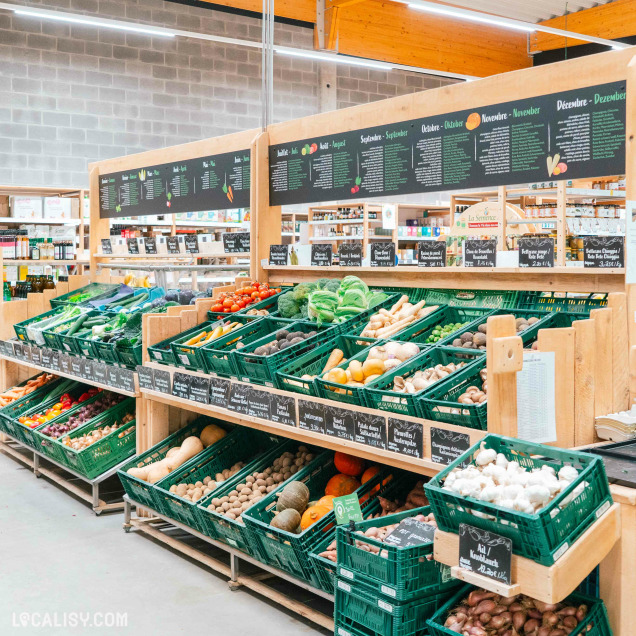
x: 327, y: 500
x: 312, y: 514
x: 369, y: 473
x: 340, y: 485
x: 348, y: 464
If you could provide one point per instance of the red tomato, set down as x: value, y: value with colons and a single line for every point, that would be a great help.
x: 240, y: 303
x: 272, y: 292
x: 234, y: 308
x: 217, y: 307
x: 264, y: 294
x: 255, y: 295
x: 227, y: 303
x: 226, y: 310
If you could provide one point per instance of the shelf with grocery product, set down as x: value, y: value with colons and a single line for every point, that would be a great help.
x: 12, y: 221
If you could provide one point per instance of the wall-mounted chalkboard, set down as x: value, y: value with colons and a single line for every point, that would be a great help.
x: 431, y: 254
x: 480, y: 253
x: 383, y: 254
x: 350, y: 255
x: 536, y: 251
x: 567, y: 135
x: 321, y: 255
x: 604, y: 251
x: 236, y: 242
x: 217, y: 182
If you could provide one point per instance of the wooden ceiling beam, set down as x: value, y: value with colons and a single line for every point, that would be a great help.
x: 611, y: 21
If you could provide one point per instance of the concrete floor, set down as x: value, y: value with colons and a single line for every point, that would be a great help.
x: 56, y: 557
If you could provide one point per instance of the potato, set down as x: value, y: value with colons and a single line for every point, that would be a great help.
x: 206, y: 480
x: 198, y: 484
x: 173, y: 488
x: 226, y: 506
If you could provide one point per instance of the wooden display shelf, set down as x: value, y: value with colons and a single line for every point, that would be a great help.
x: 550, y: 584
x: 169, y: 257
x: 565, y: 279
x: 423, y: 465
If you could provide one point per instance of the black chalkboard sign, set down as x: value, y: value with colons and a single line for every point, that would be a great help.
x: 604, y: 251
x: 278, y: 254
x: 150, y: 244
x: 447, y: 446
x: 383, y: 254
x: 239, y: 398
x: 112, y: 377
x: 431, y: 254
x: 258, y: 403
x: 283, y: 409
x: 55, y: 360
x: 480, y: 253
x: 321, y: 255
x: 107, y: 246
x: 191, y: 243
x: 146, y: 378
x: 311, y: 416
x: 133, y: 245
x: 536, y: 252
x: 86, y: 367
x: 404, y: 437
x: 36, y: 355
x: 370, y: 429
x: 172, y: 243
x: 411, y: 532
x: 162, y: 380
x: 76, y: 366
x: 99, y: 372
x: 7, y: 348
x: 238, y: 242
x: 350, y: 255
x: 339, y: 423
x: 214, y: 182
x: 17, y: 350
x: 219, y: 392
x: 126, y: 379
x: 46, y: 357
x: 181, y: 385
x: 199, y: 389
x: 485, y: 553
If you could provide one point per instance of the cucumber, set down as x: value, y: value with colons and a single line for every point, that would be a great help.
x: 77, y: 324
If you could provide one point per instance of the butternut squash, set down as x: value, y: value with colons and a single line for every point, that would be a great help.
x: 212, y: 434
x: 355, y: 368
x: 372, y: 366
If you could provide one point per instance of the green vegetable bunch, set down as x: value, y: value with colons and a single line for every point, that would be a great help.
x: 442, y: 331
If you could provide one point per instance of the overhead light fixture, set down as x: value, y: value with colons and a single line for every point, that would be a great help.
x: 329, y: 57
x: 88, y: 21
x: 473, y: 17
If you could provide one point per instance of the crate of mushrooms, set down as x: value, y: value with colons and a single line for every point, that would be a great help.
x: 400, y: 390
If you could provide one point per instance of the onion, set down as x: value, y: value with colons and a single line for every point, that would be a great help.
x: 485, y: 606
x: 518, y: 619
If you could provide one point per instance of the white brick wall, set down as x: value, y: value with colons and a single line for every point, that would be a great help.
x: 73, y: 94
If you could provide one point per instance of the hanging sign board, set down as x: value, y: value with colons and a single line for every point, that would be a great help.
x: 383, y: 254
x: 480, y: 253
x: 536, y: 252
x: 572, y: 134
x: 604, y: 251
x: 217, y: 182
x: 485, y: 553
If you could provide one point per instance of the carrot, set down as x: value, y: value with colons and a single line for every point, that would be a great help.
x: 334, y: 360
x: 229, y: 191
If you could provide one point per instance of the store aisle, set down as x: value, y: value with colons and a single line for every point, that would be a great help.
x: 57, y: 557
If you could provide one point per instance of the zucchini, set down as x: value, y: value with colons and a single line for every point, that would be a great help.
x: 77, y: 324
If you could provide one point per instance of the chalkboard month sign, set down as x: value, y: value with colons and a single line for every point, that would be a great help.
x: 431, y: 254
x: 485, y: 553
x: 192, y: 243
x: 278, y: 254
x: 321, y: 255
x: 536, y: 252
x: 447, y: 446
x: 480, y: 253
x: 107, y: 246
x: 604, y: 251
x: 350, y: 255
x: 133, y: 246
x: 150, y: 244
x: 236, y: 242
x: 172, y: 243
x: 383, y: 254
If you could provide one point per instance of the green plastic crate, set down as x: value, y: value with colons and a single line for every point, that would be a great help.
x: 100, y: 289
x: 360, y: 612
x: 218, y: 354
x: 108, y: 451
x: 271, y: 304
x: 289, y: 377
x: 105, y: 351
x: 236, y: 533
x: 545, y: 535
x: 262, y: 369
x: 22, y: 328
x: 494, y: 299
x: 439, y: 402
x: 596, y: 623
x: 291, y: 552
x: 52, y: 336
x: 74, y: 344
x: 240, y: 445
x: 191, y: 357
x: 572, y: 302
x: 129, y: 356
x: 143, y: 492
x: 380, y: 394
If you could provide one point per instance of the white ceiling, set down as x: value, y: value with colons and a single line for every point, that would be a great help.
x: 528, y: 10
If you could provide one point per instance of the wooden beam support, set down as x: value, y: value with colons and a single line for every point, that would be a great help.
x: 340, y: 4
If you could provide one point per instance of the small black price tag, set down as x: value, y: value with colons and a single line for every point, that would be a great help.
x: 283, y: 409
x: 17, y: 350
x: 36, y: 355
x: 447, y: 446
x: 86, y: 367
x: 133, y: 245
x: 26, y: 352
x: 65, y: 363
x: 431, y: 254
x: 172, y: 243
x: 146, y: 378
x: 370, y: 429
x: 191, y: 243
x: 350, y: 255
x: 311, y: 416
x: 536, y: 252
x: 100, y: 372
x: 278, y: 254
x: 411, y: 532
x: 8, y: 348
x: 236, y: 242
x: 340, y: 423
x: 107, y: 246
x: 55, y: 360
x: 258, y: 403
x: 480, y: 253
x: 150, y: 244
x: 46, y: 357
x: 406, y: 438
x: 485, y: 553
x: 181, y: 385
x: 127, y: 380
x: 604, y: 251
x: 239, y: 398
x: 112, y: 377
x: 199, y: 389
x: 383, y: 254
x: 162, y: 381
x: 219, y: 392
x: 321, y: 255
x: 76, y: 366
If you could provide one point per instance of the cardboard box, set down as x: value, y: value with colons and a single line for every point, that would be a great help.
x: 27, y: 208
x: 4, y: 206
x: 59, y: 208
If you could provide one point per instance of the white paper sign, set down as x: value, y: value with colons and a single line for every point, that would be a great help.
x: 536, y: 412
x: 389, y: 216
x: 630, y: 242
